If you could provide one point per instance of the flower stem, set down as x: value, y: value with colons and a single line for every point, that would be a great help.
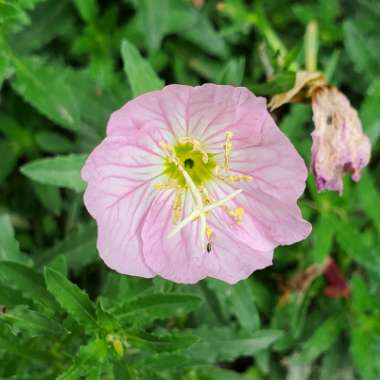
x: 311, y: 46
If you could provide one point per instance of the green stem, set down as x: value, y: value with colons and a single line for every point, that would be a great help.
x: 311, y: 46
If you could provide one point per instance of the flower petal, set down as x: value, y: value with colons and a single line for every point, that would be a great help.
x: 165, y: 110
x: 275, y: 166
x: 182, y: 258
x: 275, y: 222
x: 120, y: 173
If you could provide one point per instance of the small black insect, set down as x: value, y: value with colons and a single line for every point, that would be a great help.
x: 329, y: 120
x: 209, y: 247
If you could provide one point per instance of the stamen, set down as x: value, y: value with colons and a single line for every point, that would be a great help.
x: 227, y: 150
x: 235, y: 178
x: 193, y: 189
x: 177, y: 205
x: 199, y: 212
x: 209, y: 232
x: 237, y: 214
x: 165, y: 186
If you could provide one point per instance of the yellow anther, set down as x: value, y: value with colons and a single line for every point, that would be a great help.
x: 237, y: 214
x: 227, y: 150
x: 205, y: 196
x: 209, y: 232
x: 164, y: 186
x: 177, y: 205
x: 235, y: 178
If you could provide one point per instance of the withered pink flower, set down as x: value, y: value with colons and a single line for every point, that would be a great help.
x: 339, y: 144
x: 193, y: 182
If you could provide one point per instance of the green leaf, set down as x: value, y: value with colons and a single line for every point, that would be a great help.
x: 5, y: 68
x: 12, y: 14
x: 60, y: 171
x: 13, y: 346
x: 155, y: 18
x: 29, y: 282
x: 280, y: 83
x: 369, y: 196
x: 323, y: 237
x: 232, y: 72
x: 362, y: 50
x: 167, y: 343
x: 140, y: 74
x: 88, y: 9
x: 365, y: 350
x: 159, y: 306
x: 49, y: 196
x: 9, y: 247
x: 322, y: 339
x: 219, y: 344
x: 369, y: 112
x: 203, y: 34
x: 74, y: 300
x: 44, y: 86
x: 48, y: 20
x: 10, y: 297
x: 356, y: 247
x: 9, y: 158
x: 33, y: 322
x: 362, y: 300
x: 59, y: 264
x: 79, y: 248
x: 53, y: 142
x: 237, y: 300
x: 85, y: 360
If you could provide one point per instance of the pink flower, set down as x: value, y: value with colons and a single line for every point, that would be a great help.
x: 339, y: 144
x: 193, y: 182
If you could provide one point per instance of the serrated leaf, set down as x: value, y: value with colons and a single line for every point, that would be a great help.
x: 167, y: 343
x: 60, y: 171
x: 43, y: 85
x: 141, y: 76
x: 159, y: 306
x: 85, y: 360
x: 9, y: 246
x: 33, y: 322
x: 29, y: 282
x: 219, y: 344
x: 74, y: 300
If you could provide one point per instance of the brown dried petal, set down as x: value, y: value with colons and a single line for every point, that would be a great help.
x: 339, y: 144
x: 306, y: 82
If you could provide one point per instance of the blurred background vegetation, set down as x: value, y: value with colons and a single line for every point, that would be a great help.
x: 64, y: 67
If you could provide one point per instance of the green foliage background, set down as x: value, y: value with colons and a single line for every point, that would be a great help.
x: 64, y: 67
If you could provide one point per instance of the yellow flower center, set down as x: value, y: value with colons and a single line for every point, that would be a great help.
x: 189, y: 168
